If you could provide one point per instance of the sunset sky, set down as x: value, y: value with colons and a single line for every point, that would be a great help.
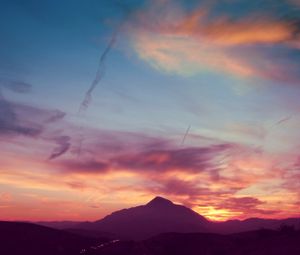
x: 195, y: 101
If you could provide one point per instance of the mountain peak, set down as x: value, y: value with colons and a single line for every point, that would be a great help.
x: 159, y: 201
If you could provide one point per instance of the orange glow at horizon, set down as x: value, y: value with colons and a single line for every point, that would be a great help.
x: 214, y: 214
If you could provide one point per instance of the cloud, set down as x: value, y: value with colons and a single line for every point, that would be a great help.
x: 13, y: 124
x: 25, y: 121
x: 77, y: 185
x: 187, y: 159
x: 204, y: 24
x: 164, y: 168
x: 63, y: 145
x: 22, y: 119
x: 244, y: 204
x: 15, y: 85
x: 83, y: 167
x: 113, y: 151
x: 291, y: 177
x: 240, y: 207
x: 172, y: 39
x: 190, y: 190
x: 55, y: 116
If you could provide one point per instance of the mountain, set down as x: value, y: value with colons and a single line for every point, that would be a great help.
x: 161, y: 216
x: 18, y: 238
x: 158, y: 216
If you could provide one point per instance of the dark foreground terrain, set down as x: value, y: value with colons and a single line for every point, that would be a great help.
x: 25, y: 238
x: 262, y: 242
x: 18, y: 238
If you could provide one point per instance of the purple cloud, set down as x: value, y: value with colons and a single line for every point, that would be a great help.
x: 63, y: 145
x: 193, y: 159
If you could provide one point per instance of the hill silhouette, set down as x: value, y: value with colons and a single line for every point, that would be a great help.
x: 161, y: 215
x: 17, y: 238
x: 158, y: 216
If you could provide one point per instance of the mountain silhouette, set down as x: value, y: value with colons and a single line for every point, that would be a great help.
x: 161, y: 215
x: 158, y: 216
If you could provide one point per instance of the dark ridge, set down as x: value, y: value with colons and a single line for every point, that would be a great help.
x: 19, y: 238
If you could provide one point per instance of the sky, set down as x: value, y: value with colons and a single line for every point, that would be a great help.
x: 105, y: 104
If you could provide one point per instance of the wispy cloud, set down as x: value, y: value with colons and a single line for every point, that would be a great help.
x: 13, y: 124
x: 63, y: 145
x: 15, y: 85
x: 172, y: 39
x: 187, y: 159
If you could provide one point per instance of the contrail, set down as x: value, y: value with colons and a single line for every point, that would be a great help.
x: 98, y: 77
x: 185, y: 135
x: 276, y: 124
x: 99, y: 74
x: 279, y: 122
x: 283, y: 120
x: 101, y: 67
x: 100, y: 70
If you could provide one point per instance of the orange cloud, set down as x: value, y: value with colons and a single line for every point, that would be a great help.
x: 173, y: 40
x: 185, y: 55
x: 169, y: 18
x: 247, y: 31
